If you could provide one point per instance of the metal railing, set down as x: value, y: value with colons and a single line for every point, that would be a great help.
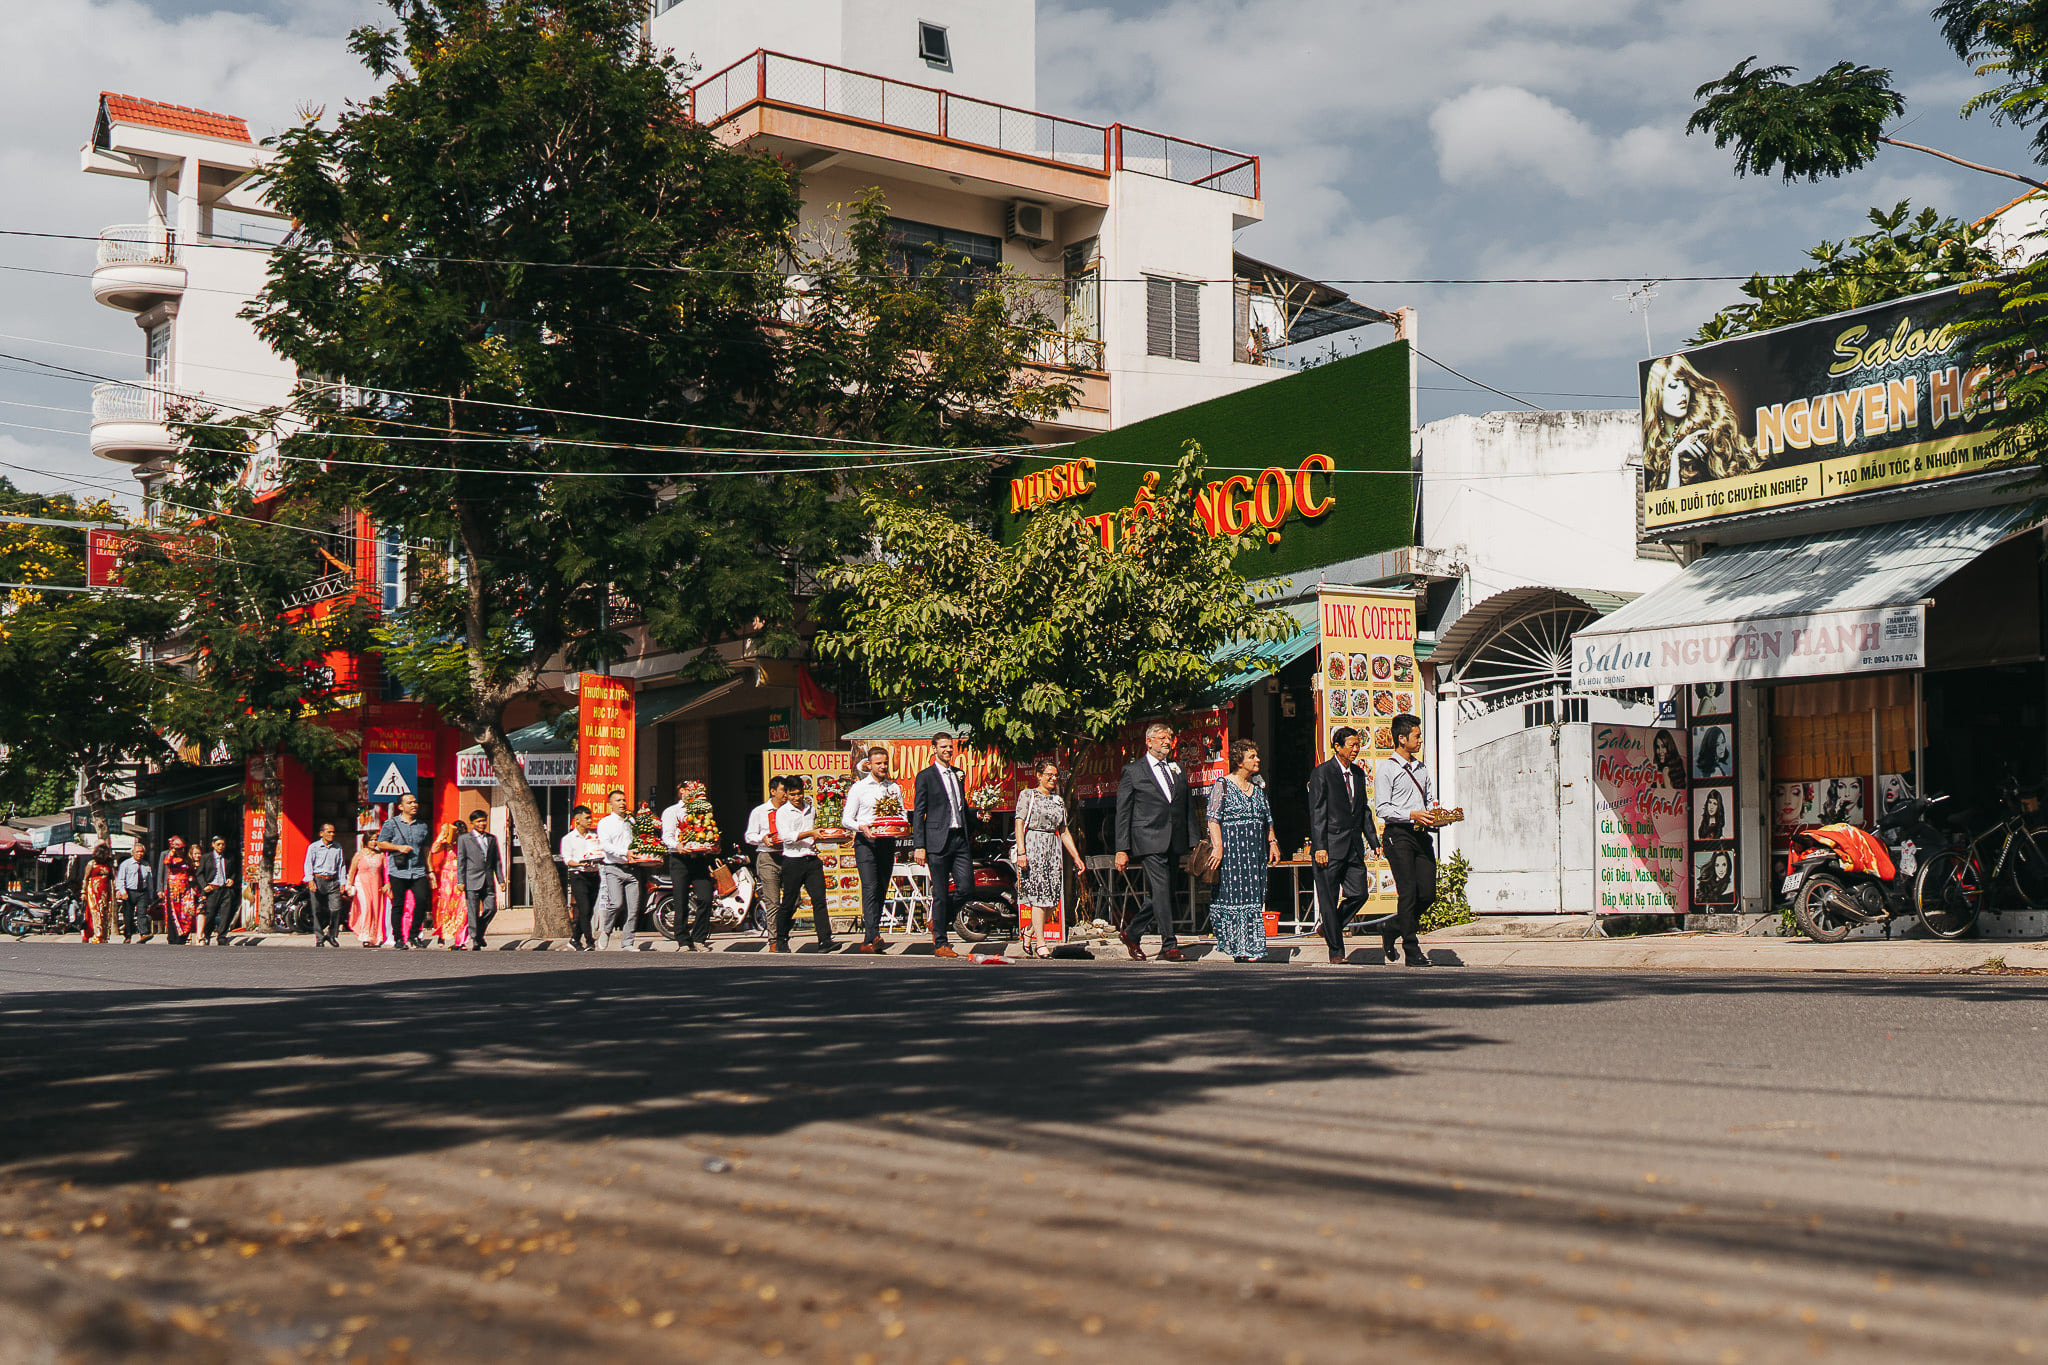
x: 138, y: 244
x: 120, y: 402
x: 771, y: 78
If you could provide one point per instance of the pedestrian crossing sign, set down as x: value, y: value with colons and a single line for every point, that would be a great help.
x: 393, y: 775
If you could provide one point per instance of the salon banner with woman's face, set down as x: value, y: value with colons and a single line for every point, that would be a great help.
x: 1881, y: 397
x: 1640, y: 824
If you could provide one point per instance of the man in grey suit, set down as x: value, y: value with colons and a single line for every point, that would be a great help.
x: 1152, y: 827
x: 476, y: 866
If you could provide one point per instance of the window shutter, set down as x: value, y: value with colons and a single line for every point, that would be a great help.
x: 1158, y: 316
x: 1187, y: 320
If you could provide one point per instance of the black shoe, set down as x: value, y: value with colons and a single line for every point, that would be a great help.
x: 401, y: 946
x: 1393, y: 955
x: 1415, y: 956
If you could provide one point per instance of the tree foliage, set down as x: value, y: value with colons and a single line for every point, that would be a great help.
x: 1904, y: 253
x: 1052, y: 642
x: 79, y: 690
x: 1814, y: 130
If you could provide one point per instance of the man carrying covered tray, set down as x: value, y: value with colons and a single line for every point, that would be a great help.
x: 874, y: 812
x: 1405, y: 800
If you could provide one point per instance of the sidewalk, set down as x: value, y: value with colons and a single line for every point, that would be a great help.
x: 1471, y: 945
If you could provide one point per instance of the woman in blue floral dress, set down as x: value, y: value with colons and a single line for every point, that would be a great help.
x: 1241, y: 829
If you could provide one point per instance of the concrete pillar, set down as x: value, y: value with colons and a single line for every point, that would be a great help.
x: 188, y: 200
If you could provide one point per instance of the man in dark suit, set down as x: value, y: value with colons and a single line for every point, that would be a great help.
x: 941, y: 830
x: 1152, y: 826
x: 1340, y: 829
x: 476, y: 867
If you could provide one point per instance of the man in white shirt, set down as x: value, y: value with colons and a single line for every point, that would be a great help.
x: 764, y: 836
x: 875, y: 857
x: 582, y: 856
x: 1403, y: 796
x: 621, y: 880
x: 800, y: 871
x: 689, y: 874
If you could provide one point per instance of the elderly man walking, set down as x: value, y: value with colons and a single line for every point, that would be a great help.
x: 1152, y: 826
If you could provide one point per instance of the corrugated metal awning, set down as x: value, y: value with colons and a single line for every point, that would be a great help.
x: 1308, y: 633
x: 1831, y: 602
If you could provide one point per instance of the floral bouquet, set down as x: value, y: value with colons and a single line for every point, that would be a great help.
x: 646, y: 847
x: 831, y: 809
x: 888, y: 822
x: 989, y: 796
x: 699, y: 832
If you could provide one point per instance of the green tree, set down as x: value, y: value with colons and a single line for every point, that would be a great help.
x: 79, y: 689
x: 258, y: 617
x: 1053, y: 642
x: 1906, y: 253
x: 563, y: 313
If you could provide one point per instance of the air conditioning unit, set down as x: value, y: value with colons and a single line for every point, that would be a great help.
x: 1028, y: 222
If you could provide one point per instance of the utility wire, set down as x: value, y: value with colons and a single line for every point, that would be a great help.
x: 1470, y: 380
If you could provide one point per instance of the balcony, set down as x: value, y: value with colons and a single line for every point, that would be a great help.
x: 129, y: 423
x: 769, y: 82
x: 138, y: 267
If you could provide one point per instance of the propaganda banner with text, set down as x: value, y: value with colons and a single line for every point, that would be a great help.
x: 604, y: 740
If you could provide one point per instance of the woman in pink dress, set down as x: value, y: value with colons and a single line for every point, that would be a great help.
x: 451, y: 907
x: 181, y: 896
x: 368, y: 897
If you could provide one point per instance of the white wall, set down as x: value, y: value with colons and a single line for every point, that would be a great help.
x: 1537, y: 499
x: 215, y: 353
x: 1162, y: 227
x: 994, y: 42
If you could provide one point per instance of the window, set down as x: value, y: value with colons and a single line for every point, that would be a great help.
x: 1173, y: 322
x: 157, y: 362
x: 391, y: 569
x: 961, y: 258
x: 934, y: 46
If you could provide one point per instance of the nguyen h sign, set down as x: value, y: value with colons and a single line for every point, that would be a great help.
x: 1881, y: 397
x: 1862, y: 640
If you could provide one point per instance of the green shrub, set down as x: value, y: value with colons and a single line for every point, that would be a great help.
x: 1452, y: 906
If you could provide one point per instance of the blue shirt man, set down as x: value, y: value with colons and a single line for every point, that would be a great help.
x: 405, y: 837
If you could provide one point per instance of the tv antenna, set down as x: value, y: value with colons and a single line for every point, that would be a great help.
x: 1638, y: 300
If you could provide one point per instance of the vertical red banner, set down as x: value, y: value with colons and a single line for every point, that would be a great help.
x: 604, y: 739
x: 105, y: 563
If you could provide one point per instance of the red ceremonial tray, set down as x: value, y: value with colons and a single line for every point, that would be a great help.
x: 885, y: 828
x: 831, y: 834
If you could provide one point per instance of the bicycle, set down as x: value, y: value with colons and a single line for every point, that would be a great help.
x: 1958, y: 884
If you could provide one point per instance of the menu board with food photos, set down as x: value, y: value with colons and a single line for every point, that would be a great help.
x: 1367, y: 677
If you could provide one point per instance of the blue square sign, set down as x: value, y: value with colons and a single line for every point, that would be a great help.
x: 392, y: 776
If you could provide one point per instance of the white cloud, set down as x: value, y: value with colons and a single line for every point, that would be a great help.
x: 1503, y: 131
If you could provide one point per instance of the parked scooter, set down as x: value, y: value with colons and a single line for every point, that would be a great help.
x: 49, y: 912
x: 1840, y: 876
x: 729, y: 912
x: 991, y: 912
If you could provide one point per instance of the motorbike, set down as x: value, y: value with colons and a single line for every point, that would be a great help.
x: 291, y: 908
x: 728, y: 913
x: 51, y: 912
x: 1840, y: 876
x: 991, y: 911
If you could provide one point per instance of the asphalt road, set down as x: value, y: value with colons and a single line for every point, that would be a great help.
x: 247, y: 1155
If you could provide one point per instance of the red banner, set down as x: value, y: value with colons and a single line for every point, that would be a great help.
x: 1201, y: 746
x: 106, y: 564
x: 604, y: 740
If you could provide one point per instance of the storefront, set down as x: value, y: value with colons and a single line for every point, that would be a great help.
x: 1875, y: 631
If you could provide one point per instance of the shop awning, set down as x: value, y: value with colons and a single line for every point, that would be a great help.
x: 1308, y: 633
x: 913, y: 724
x: 661, y: 705
x: 546, y: 751
x: 1832, y: 602
x: 182, y: 787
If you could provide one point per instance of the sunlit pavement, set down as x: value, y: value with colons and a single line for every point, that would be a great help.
x: 382, y: 1156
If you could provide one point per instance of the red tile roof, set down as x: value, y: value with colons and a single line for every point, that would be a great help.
x: 176, y: 117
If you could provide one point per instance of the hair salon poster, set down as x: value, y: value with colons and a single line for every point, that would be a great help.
x: 1641, y: 819
x: 1887, y: 396
x: 1710, y: 750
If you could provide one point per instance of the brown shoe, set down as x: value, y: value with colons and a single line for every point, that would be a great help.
x: 1137, y: 953
x: 944, y: 950
x: 1339, y: 957
x: 1171, y: 955
x: 871, y: 947
x: 778, y: 947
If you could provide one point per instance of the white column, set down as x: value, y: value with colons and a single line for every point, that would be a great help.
x: 188, y: 201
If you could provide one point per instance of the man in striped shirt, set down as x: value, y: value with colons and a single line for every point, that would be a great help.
x: 1403, y: 797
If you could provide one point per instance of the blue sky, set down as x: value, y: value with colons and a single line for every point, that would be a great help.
x: 1400, y: 140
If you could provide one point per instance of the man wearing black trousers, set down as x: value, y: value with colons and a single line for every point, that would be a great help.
x: 1340, y: 829
x: 941, y: 833
x: 1152, y: 826
x: 874, y: 855
x: 476, y: 867
x: 217, y: 906
x: 691, y: 909
x: 1404, y: 796
x: 800, y: 870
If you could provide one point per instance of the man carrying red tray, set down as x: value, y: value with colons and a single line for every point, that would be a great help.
x: 875, y: 832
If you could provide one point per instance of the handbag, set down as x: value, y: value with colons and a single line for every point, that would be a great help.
x: 721, y: 877
x: 1202, y: 862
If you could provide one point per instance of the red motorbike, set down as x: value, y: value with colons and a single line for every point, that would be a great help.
x: 1840, y: 876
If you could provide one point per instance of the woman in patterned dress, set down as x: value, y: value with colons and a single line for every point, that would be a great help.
x: 368, y: 896
x: 96, y: 892
x: 1041, y: 833
x: 1241, y: 828
x: 451, y: 906
x: 181, y: 898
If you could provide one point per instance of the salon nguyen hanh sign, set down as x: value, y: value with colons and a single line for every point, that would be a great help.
x: 1865, y: 640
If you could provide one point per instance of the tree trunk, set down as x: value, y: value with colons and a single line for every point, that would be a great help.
x: 550, y: 902
x: 273, y: 838
x: 93, y: 793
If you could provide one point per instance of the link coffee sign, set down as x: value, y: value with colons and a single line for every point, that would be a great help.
x: 1879, y: 398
